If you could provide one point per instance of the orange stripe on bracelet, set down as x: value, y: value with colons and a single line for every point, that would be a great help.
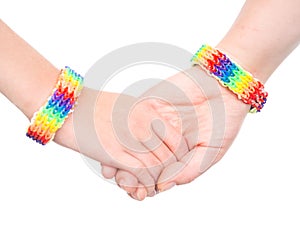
x: 231, y: 75
x: 55, y: 111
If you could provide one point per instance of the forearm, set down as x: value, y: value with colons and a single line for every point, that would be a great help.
x: 263, y: 35
x: 26, y: 78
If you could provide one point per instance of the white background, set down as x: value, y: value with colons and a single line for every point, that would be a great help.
x: 255, y: 185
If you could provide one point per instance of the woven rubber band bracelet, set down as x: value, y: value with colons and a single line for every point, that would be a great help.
x: 51, y: 116
x: 231, y: 75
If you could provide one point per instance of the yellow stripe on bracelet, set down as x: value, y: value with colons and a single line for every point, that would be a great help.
x: 231, y: 75
x: 55, y: 111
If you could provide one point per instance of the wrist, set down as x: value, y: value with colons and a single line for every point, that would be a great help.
x: 66, y: 135
x: 231, y: 103
x: 249, y: 58
x: 52, y: 115
x: 232, y: 76
x: 39, y: 90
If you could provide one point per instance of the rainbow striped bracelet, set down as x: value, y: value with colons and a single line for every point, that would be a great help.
x: 51, y: 116
x: 231, y: 75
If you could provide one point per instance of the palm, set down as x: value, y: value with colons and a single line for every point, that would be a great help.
x: 120, y: 137
x: 206, y: 114
x: 209, y: 119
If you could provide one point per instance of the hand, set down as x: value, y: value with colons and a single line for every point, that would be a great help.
x: 125, y: 136
x: 209, y: 117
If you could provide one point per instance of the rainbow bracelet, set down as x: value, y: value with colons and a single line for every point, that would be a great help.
x: 55, y: 111
x: 231, y: 75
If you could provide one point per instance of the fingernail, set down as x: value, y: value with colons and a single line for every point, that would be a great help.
x: 121, y: 183
x: 167, y: 186
x: 151, y: 194
x: 132, y: 196
x: 141, y: 195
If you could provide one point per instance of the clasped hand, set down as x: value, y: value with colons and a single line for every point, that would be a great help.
x: 169, y: 136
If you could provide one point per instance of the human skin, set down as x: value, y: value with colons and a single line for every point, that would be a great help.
x: 27, y: 79
x: 262, y: 36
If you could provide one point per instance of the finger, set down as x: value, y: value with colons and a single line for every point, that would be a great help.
x: 172, y: 139
x: 169, y: 104
x: 161, y: 153
x: 108, y: 172
x: 190, y: 167
x: 160, y: 149
x: 156, y: 154
x: 129, y: 183
x: 149, y: 160
x: 140, y: 193
x: 127, y: 162
x: 144, y: 144
x: 126, y: 181
x: 149, y: 133
x: 143, y: 176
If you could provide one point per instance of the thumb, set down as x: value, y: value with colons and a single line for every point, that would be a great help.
x: 191, y: 166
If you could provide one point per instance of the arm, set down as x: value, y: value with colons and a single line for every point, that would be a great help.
x: 27, y: 80
x: 263, y: 35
